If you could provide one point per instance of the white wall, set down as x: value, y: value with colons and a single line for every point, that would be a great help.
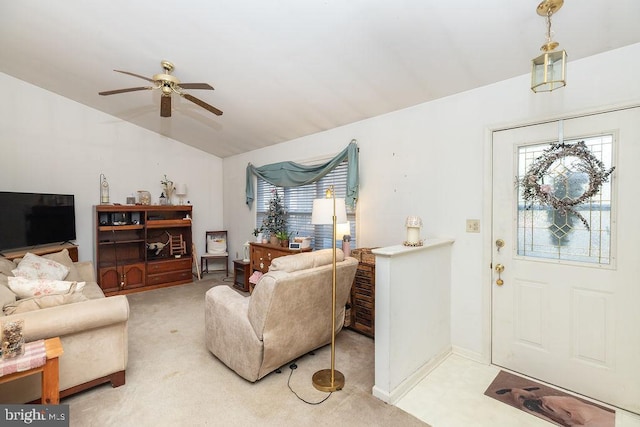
x: 52, y: 144
x: 430, y: 160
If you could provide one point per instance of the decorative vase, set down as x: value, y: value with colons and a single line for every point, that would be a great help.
x: 259, y: 238
x: 273, y: 240
x: 284, y: 243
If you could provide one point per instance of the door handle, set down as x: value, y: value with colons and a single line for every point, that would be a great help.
x: 499, y: 270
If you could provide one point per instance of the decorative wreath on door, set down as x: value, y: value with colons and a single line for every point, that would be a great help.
x: 534, y: 189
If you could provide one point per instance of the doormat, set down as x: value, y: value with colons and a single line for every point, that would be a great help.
x: 548, y: 403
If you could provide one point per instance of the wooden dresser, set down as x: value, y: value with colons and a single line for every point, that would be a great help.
x: 263, y: 253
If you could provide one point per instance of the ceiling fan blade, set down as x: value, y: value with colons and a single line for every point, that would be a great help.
x: 201, y: 103
x: 135, y: 75
x: 206, y: 86
x: 165, y: 106
x: 131, y: 89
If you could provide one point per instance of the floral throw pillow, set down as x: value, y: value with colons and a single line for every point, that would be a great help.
x: 36, y: 267
x: 27, y: 288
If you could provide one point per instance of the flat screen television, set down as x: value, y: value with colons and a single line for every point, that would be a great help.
x: 32, y: 219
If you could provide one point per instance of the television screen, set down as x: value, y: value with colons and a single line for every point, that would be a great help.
x: 31, y: 219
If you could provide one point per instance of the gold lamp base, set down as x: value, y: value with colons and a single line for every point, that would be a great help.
x: 322, y: 380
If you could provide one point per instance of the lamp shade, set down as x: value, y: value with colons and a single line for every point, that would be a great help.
x: 322, y: 212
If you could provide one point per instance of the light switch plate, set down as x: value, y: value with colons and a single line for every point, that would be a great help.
x: 473, y: 226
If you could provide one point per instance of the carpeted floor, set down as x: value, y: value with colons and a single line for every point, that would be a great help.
x: 172, y: 380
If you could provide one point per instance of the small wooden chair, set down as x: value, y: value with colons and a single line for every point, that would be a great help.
x: 215, y: 249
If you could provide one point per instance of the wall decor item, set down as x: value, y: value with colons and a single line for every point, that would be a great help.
x: 535, y: 190
x: 169, y: 188
x: 12, y: 339
x: 104, y: 190
x: 144, y: 197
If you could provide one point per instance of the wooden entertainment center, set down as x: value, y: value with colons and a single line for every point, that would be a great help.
x: 140, y: 247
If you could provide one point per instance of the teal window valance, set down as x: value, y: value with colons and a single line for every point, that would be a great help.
x: 291, y: 174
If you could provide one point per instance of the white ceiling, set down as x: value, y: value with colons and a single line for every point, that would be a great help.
x: 288, y: 68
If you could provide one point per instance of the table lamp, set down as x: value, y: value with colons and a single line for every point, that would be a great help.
x: 343, y: 232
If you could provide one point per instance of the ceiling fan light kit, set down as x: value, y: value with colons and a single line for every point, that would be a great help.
x: 168, y: 85
x: 548, y: 71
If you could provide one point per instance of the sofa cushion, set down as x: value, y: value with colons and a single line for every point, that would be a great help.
x: 305, y: 260
x: 26, y: 288
x: 6, y: 266
x: 92, y: 291
x: 45, y: 301
x: 6, y: 295
x: 36, y: 267
x: 64, y: 258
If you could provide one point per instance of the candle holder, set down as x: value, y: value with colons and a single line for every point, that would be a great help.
x: 413, y: 224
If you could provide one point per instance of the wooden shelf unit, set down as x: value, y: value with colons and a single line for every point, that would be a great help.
x: 363, y: 293
x: 132, y: 247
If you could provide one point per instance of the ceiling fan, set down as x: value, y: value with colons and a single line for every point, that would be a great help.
x: 168, y: 84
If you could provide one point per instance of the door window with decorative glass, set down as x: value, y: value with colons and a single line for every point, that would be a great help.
x: 565, y: 207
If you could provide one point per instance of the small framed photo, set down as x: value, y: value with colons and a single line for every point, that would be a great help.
x: 295, y: 245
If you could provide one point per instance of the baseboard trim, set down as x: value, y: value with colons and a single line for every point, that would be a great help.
x: 410, y: 382
x: 473, y: 355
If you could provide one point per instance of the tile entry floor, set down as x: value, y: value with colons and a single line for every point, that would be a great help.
x: 452, y: 395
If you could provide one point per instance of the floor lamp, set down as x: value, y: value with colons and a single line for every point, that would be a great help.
x: 330, y: 211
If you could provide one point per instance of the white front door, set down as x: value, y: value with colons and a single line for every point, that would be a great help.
x: 568, y: 309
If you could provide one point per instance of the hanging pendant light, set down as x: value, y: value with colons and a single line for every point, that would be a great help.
x: 548, y: 70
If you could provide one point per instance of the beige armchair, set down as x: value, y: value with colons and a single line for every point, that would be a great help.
x: 287, y: 315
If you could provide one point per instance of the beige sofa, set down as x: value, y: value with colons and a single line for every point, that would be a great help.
x: 287, y: 315
x: 93, y: 334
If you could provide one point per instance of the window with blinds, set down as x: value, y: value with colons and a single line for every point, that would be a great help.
x: 299, y: 203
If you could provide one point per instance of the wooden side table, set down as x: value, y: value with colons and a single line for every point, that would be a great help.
x: 241, y: 273
x: 50, y: 372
